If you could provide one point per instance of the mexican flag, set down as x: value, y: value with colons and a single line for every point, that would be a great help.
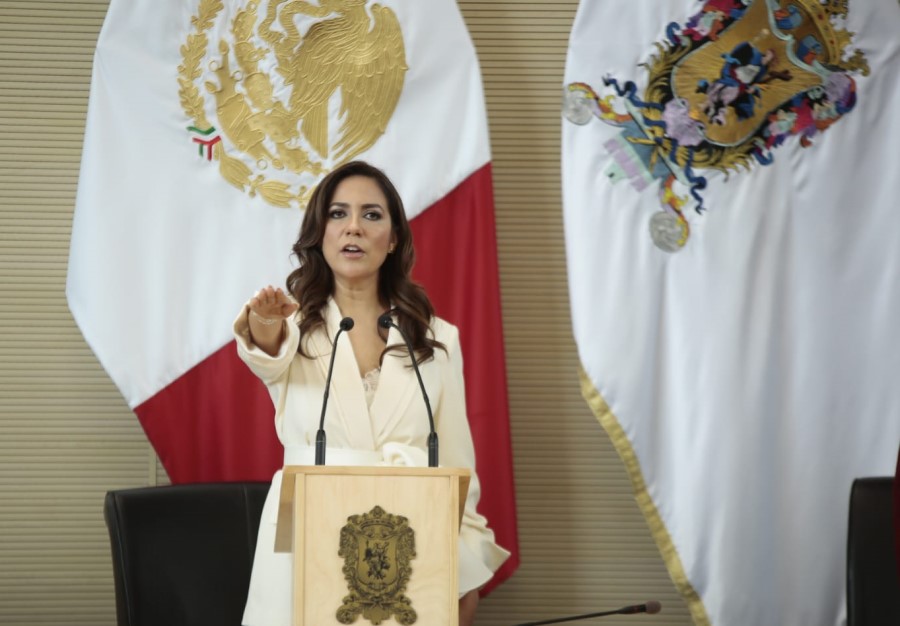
x: 209, y: 123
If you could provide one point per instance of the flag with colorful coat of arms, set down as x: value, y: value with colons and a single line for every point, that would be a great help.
x: 733, y: 239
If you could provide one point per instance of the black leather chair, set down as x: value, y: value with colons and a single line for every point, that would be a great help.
x: 873, y: 588
x: 182, y: 554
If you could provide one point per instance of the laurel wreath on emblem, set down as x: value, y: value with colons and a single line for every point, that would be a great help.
x: 377, y: 548
x: 272, y: 88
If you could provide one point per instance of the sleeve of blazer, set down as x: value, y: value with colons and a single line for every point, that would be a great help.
x: 272, y: 370
x: 479, y: 554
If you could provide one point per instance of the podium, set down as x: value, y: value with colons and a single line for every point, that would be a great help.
x: 372, y: 545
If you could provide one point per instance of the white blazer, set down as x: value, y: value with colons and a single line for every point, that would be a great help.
x: 394, y: 430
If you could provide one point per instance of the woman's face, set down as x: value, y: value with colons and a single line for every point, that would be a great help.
x: 358, y: 230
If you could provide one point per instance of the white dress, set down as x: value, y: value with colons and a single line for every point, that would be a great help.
x: 390, y: 428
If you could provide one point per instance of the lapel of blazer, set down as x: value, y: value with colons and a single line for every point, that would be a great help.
x: 347, y: 409
x: 397, y: 388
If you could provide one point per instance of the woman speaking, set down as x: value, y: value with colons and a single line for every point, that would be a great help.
x: 355, y: 256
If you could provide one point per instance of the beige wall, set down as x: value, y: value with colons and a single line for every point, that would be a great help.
x: 66, y: 436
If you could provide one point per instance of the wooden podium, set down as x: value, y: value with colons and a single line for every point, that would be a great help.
x: 372, y: 544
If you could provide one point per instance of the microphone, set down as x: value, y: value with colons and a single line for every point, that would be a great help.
x: 650, y: 607
x: 385, y: 321
x: 346, y: 324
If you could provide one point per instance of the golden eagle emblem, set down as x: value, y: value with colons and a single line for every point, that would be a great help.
x: 263, y: 87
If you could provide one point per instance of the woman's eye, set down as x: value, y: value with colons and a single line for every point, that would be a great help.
x: 373, y: 215
x: 336, y: 213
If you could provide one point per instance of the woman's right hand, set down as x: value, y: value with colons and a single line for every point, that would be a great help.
x: 269, y: 307
x: 273, y: 304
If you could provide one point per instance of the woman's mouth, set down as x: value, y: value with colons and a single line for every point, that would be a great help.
x: 352, y: 251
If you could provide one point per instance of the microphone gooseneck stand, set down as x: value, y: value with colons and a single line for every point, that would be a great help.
x: 346, y: 324
x: 650, y: 607
x: 386, y: 322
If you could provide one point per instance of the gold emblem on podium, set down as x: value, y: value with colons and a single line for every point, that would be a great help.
x: 377, y: 548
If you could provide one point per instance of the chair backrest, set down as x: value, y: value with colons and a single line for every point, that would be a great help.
x: 182, y: 554
x: 873, y: 589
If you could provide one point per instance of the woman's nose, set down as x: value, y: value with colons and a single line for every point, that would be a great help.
x: 353, y: 224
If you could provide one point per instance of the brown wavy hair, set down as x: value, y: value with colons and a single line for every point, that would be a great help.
x: 312, y: 283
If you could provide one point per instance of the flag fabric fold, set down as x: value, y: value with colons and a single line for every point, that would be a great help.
x: 733, y: 250
x: 208, y: 124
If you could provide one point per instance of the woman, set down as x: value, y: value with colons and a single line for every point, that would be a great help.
x: 355, y: 256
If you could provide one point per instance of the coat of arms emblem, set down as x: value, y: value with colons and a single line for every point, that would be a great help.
x: 724, y: 91
x: 377, y: 548
x: 262, y: 82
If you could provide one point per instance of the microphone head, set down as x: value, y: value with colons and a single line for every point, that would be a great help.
x: 385, y: 321
x: 653, y: 606
x: 346, y: 323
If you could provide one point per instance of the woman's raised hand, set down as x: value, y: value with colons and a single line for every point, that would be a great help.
x: 268, y: 309
x: 271, y: 304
